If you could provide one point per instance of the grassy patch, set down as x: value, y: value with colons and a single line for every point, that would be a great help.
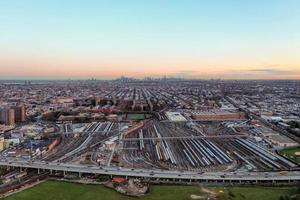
x: 55, y: 190
x: 259, y: 193
x: 290, y: 153
x: 135, y: 116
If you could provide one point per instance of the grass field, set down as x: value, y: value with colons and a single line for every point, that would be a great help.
x: 135, y: 116
x: 290, y: 153
x: 261, y: 193
x: 54, y: 190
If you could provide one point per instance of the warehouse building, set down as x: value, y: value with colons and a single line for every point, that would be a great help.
x: 217, y: 115
x: 175, y: 116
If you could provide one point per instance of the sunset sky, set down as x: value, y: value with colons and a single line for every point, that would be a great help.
x: 78, y: 39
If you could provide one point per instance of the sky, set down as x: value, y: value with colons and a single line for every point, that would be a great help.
x: 198, y: 39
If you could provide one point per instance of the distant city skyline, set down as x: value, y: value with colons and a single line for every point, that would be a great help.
x: 53, y: 39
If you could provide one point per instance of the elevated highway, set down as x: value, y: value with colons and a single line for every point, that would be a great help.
x: 188, y: 176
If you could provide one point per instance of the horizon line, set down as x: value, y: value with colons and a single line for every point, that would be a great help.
x: 152, y: 78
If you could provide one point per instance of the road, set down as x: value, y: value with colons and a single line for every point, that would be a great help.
x: 162, y: 174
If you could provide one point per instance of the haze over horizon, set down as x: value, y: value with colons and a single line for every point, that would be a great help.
x: 53, y: 39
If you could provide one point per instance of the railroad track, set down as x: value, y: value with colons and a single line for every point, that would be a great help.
x: 186, y: 137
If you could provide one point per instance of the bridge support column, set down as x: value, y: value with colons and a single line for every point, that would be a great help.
x: 64, y: 173
x: 20, y: 169
x: 50, y: 171
x: 38, y: 170
x: 79, y: 174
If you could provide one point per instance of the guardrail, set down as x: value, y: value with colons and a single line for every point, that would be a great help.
x: 160, y: 174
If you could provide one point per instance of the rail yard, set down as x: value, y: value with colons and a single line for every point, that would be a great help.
x: 178, y: 146
x: 207, y: 146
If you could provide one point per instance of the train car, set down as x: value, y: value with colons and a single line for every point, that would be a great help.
x: 54, y: 144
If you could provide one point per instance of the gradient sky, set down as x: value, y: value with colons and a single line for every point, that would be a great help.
x: 228, y: 39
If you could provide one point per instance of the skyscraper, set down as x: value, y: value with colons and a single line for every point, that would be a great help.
x: 7, y: 116
x: 20, y: 114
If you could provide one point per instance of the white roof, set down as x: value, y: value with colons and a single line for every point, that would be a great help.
x: 175, y: 116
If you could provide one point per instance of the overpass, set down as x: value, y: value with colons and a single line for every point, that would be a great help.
x: 292, y: 177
